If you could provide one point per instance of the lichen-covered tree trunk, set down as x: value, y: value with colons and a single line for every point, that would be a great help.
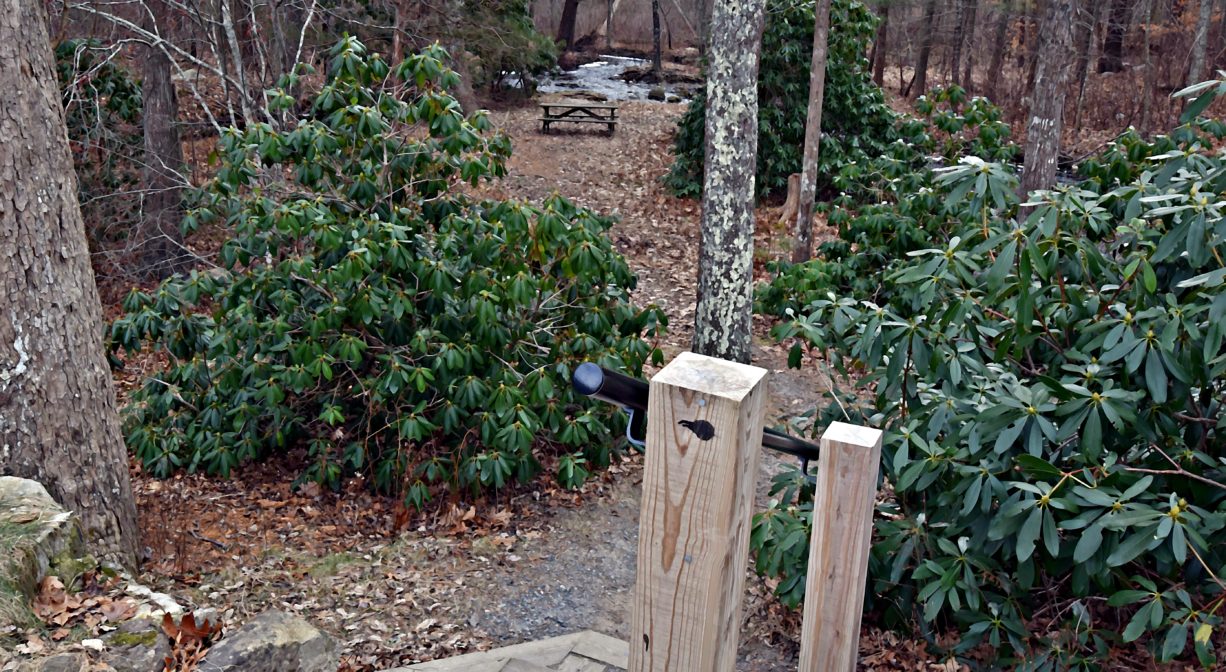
x: 58, y: 422
x: 1047, y: 101
x: 159, y: 238
x: 1200, y: 42
x: 724, y: 313
x: 919, y: 83
x: 803, y: 244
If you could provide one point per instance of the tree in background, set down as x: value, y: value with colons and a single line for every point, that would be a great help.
x: 1200, y: 42
x: 803, y: 245
x: 159, y: 239
x: 919, y: 83
x: 58, y: 423
x: 1112, y: 59
x: 1047, y: 102
x: 722, y: 321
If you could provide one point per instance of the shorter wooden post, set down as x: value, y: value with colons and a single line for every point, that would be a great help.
x: 838, y: 551
x: 704, y: 436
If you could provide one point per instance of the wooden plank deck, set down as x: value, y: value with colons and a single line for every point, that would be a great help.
x: 586, y: 651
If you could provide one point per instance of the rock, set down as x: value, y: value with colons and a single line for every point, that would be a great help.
x: 674, y: 99
x: 66, y: 662
x: 656, y: 93
x: 274, y: 642
x: 137, y: 646
x: 36, y: 534
x: 164, y: 603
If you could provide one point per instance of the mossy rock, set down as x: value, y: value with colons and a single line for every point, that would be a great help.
x: 37, y: 537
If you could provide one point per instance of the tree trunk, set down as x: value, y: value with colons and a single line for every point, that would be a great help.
x: 881, y: 45
x: 723, y: 317
x: 972, y: 19
x: 803, y: 245
x: 999, y: 45
x: 1200, y: 43
x: 955, y: 65
x: 1151, y: 70
x: 608, y: 25
x: 58, y: 422
x: 1047, y: 102
x: 1086, y: 57
x: 566, y: 28
x: 1113, y: 46
x: 159, y: 240
x: 919, y: 82
x: 657, y: 65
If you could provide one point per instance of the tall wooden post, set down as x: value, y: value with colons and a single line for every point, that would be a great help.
x: 838, y: 550
x: 703, y: 440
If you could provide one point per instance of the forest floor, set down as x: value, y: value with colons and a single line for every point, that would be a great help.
x: 396, y: 588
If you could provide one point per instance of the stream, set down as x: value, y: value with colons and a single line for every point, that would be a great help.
x: 604, y: 77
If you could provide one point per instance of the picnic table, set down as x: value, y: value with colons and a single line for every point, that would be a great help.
x: 578, y: 112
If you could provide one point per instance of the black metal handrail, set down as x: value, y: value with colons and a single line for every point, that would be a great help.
x: 631, y: 393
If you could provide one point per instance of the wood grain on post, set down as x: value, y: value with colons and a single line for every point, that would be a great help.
x: 704, y: 436
x: 838, y: 551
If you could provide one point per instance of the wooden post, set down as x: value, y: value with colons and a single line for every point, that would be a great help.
x: 704, y: 436
x: 838, y: 551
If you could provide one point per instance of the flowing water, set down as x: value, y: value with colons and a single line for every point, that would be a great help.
x: 604, y: 76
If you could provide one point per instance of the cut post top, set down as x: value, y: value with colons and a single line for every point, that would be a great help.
x: 708, y: 375
x: 855, y: 435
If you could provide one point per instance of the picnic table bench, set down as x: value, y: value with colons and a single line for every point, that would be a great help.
x: 578, y: 112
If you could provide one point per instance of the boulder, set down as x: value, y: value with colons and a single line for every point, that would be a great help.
x: 274, y: 641
x: 36, y: 535
x: 656, y: 93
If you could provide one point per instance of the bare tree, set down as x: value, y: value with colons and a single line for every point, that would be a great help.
x: 722, y: 320
x: 58, y: 420
x: 158, y: 237
x: 1200, y: 42
x: 566, y: 28
x: 1047, y: 102
x: 1085, y: 55
x: 971, y: 19
x: 1000, y: 43
x: 656, y: 64
x: 919, y: 83
x: 1112, y: 59
x: 881, y: 45
x: 803, y: 244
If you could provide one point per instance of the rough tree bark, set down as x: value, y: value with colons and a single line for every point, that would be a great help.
x: 1047, y: 101
x: 881, y: 45
x: 159, y: 239
x: 1112, y: 59
x: 566, y: 27
x: 999, y: 46
x: 723, y: 316
x: 1200, y: 42
x: 919, y: 83
x: 58, y: 422
x: 803, y: 243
